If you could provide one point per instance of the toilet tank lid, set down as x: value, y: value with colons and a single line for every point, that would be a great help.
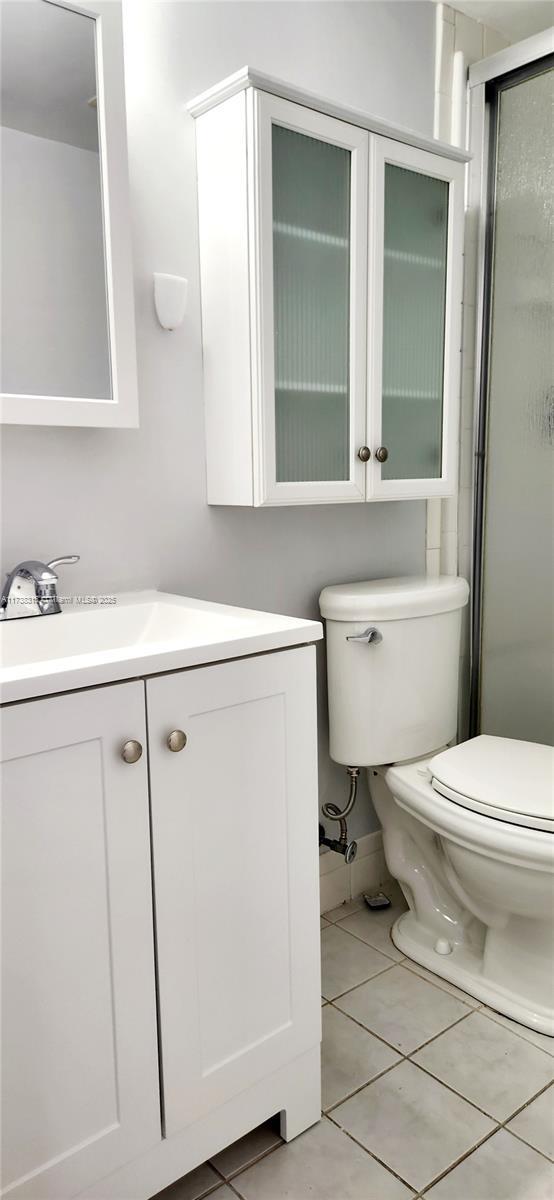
x: 393, y: 599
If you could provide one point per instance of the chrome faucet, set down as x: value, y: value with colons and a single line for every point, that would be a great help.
x: 44, y: 578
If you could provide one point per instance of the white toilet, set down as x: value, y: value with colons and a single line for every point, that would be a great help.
x: 467, y: 831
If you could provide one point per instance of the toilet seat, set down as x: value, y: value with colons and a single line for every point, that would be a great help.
x: 501, y: 778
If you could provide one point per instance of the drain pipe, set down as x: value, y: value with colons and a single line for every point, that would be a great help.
x: 341, y: 845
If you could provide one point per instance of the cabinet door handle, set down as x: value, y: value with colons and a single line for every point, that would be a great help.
x: 131, y: 751
x: 176, y: 740
x: 382, y: 454
x: 364, y: 453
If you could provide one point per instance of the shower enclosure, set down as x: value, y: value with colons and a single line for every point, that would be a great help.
x: 513, y: 601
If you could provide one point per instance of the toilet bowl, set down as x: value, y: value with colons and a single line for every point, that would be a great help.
x: 468, y: 831
x: 469, y: 835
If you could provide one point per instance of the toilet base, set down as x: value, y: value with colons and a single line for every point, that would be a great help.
x: 463, y: 967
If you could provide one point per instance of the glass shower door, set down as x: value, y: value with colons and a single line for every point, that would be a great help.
x: 516, y: 668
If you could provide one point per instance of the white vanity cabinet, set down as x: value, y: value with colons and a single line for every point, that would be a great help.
x: 79, y: 1050
x: 331, y: 270
x: 110, y: 1090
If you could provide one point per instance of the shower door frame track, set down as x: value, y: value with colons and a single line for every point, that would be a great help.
x: 487, y: 80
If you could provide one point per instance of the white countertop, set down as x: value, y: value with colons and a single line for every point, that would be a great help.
x: 134, y: 634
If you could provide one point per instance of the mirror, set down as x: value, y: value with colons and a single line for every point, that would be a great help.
x: 55, y: 339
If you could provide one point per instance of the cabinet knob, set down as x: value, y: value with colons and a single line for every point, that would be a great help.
x: 364, y: 453
x: 131, y: 751
x: 176, y: 740
x: 382, y: 454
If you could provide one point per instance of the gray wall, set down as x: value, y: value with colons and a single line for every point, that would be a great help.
x: 132, y: 503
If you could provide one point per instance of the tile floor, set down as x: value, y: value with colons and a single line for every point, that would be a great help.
x: 426, y: 1093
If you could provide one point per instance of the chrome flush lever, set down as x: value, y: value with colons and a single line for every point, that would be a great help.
x: 370, y: 636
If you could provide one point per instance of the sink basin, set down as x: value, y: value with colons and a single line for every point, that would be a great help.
x: 136, y: 624
x: 137, y: 634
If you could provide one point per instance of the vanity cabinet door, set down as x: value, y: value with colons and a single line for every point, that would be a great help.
x: 80, y: 1072
x: 417, y: 212
x: 234, y: 825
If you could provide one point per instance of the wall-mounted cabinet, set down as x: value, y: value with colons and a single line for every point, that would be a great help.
x: 331, y: 267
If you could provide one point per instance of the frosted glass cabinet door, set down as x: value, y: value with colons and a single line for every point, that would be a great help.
x: 417, y: 206
x: 313, y: 248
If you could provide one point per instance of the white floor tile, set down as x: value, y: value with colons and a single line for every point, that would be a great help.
x: 374, y: 925
x: 535, y: 1124
x: 350, y: 1057
x: 412, y: 1123
x: 344, y: 910
x: 246, y: 1151
x: 442, y: 983
x: 402, y: 1008
x: 531, y: 1035
x: 488, y: 1065
x: 193, y: 1186
x: 501, y: 1169
x: 322, y: 1164
x: 345, y: 962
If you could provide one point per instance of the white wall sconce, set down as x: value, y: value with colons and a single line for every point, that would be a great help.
x: 170, y: 299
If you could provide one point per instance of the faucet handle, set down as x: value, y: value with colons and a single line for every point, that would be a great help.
x: 68, y: 558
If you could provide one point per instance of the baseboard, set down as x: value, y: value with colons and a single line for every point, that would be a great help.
x: 339, y: 882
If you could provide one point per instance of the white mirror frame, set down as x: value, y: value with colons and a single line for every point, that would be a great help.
x: 121, y: 409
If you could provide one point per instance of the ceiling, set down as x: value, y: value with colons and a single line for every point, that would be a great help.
x: 48, y: 72
x: 516, y: 19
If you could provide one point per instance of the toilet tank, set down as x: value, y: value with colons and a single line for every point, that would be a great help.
x: 395, y: 696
